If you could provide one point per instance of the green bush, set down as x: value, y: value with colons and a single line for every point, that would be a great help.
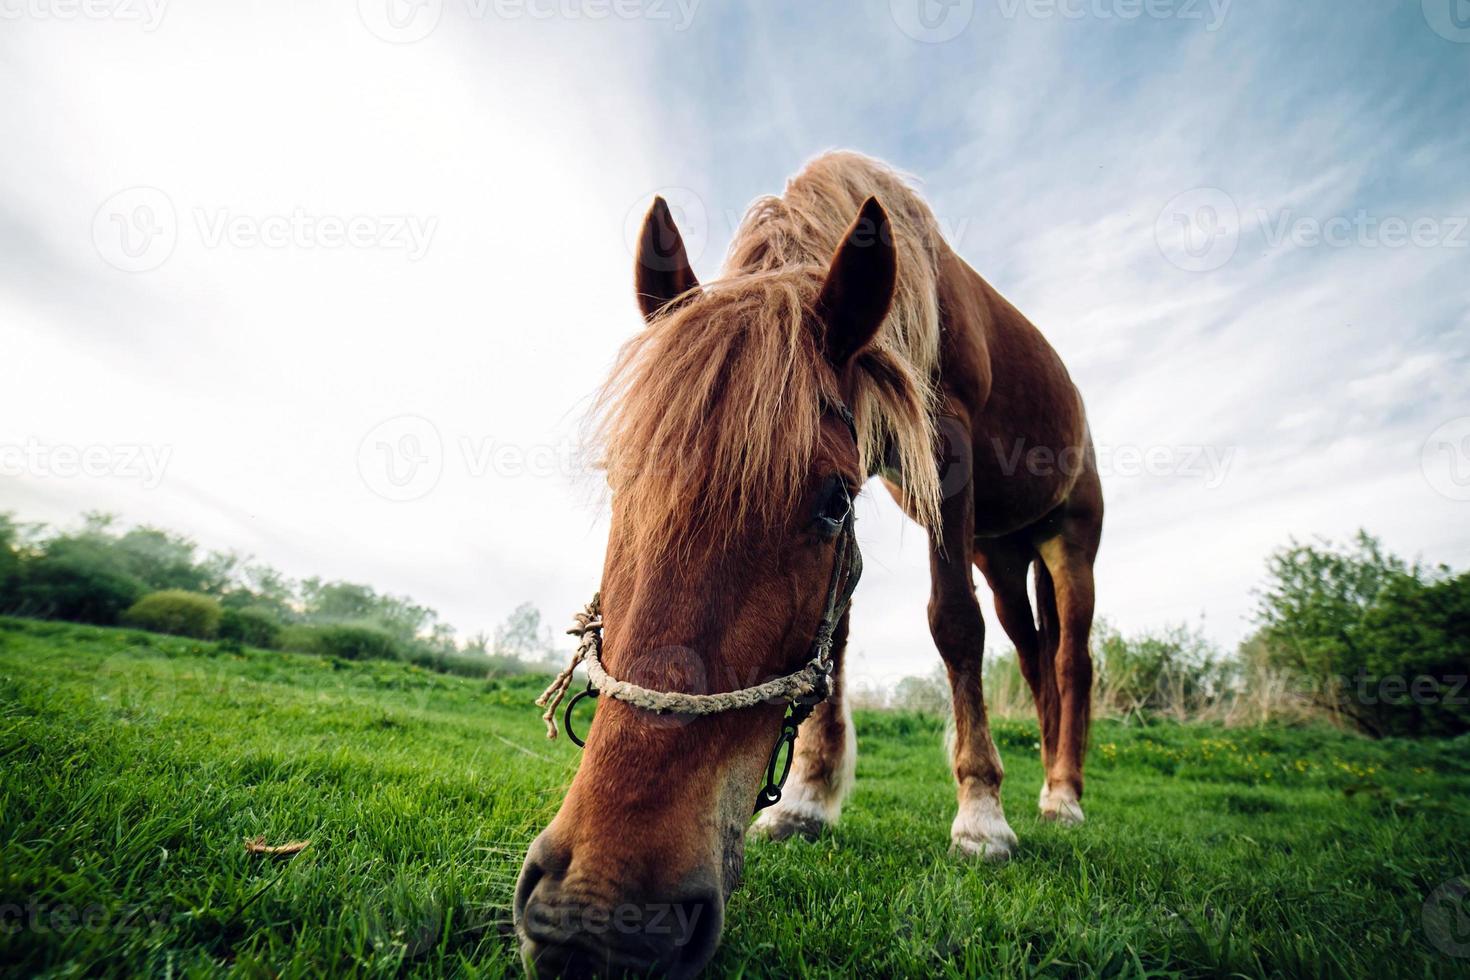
x: 1382, y: 642
x: 465, y: 663
x: 177, y: 612
x: 251, y: 626
x: 1173, y: 670
x: 73, y: 584
x: 1413, y: 659
x: 348, y: 641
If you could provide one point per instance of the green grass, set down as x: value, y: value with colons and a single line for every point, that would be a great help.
x: 133, y: 766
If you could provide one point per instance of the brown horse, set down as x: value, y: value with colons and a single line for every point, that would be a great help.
x: 726, y: 460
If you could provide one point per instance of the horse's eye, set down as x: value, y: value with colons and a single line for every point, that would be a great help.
x: 832, y: 511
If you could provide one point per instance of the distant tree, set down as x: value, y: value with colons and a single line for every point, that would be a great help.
x: 219, y: 572
x: 98, y: 571
x: 1317, y: 594
x: 928, y: 694
x: 252, y: 625
x: 349, y: 602
x: 261, y: 586
x: 78, y: 579
x: 9, y: 554
x: 522, y: 635
x: 161, y: 560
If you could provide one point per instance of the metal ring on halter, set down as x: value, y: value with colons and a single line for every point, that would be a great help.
x: 566, y: 718
x: 770, y: 793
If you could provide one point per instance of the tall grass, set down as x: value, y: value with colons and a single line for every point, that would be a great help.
x: 1172, y: 674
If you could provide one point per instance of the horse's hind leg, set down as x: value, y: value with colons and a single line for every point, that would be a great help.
x: 822, y: 771
x: 1068, y: 556
x: 1005, y: 562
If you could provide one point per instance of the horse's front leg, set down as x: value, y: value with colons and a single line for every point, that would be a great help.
x: 980, y: 826
x: 822, y: 771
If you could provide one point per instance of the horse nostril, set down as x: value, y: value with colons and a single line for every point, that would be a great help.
x: 542, y: 860
x: 703, y: 918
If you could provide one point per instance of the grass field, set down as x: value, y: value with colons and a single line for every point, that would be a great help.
x: 133, y: 766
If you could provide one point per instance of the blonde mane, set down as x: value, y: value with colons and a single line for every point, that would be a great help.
x: 710, y: 418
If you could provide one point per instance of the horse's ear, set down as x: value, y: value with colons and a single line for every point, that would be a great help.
x: 662, y: 272
x: 859, y: 287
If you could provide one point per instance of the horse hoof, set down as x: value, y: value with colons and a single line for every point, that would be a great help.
x: 992, y: 849
x: 980, y: 830
x: 783, y: 826
x: 1060, y: 807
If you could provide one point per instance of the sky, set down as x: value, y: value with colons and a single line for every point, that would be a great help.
x: 333, y: 283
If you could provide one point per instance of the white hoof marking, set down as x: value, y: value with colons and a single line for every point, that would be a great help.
x: 980, y: 830
x: 1060, y: 805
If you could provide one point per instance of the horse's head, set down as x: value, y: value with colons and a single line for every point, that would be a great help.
x: 733, y: 467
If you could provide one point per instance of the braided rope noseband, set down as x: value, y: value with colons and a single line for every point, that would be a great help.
x: 810, y: 679
x: 802, y: 690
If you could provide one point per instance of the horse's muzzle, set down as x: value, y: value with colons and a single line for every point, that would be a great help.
x: 572, y: 926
